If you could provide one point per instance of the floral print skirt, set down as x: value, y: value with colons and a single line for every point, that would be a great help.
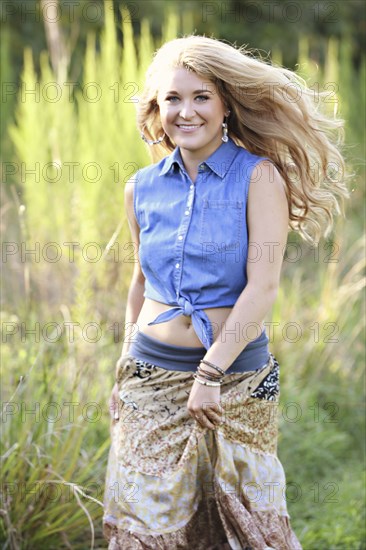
x: 171, y: 484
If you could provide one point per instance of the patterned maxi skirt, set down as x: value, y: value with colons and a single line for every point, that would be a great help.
x: 171, y: 484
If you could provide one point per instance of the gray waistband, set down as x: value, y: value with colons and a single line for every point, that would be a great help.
x: 254, y: 356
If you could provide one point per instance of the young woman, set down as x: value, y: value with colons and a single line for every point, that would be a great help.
x: 240, y: 155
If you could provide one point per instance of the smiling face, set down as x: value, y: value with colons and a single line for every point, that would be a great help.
x: 191, y: 112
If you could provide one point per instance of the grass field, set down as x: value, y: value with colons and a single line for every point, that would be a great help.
x: 63, y: 306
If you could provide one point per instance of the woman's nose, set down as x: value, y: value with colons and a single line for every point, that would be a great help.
x: 187, y: 111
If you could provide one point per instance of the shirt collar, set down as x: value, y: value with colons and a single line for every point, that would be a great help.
x: 219, y: 161
x: 169, y: 161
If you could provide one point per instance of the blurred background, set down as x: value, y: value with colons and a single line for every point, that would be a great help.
x: 71, y: 72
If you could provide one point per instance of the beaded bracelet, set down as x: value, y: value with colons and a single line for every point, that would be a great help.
x: 195, y: 376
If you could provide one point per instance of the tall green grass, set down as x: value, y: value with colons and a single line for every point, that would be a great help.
x: 54, y: 460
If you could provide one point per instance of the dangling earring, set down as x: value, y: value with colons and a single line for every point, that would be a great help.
x: 224, y: 138
x: 151, y: 141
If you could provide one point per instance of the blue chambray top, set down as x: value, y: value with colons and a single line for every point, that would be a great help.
x: 193, y: 236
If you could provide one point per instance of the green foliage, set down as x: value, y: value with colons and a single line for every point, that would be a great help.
x: 321, y: 409
x: 8, y: 87
x: 321, y: 456
x: 53, y: 449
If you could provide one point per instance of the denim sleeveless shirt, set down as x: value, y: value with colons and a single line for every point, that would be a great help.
x: 193, y: 236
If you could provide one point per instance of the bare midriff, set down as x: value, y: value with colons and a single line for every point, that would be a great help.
x: 179, y: 331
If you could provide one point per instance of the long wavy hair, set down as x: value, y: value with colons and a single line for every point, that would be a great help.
x: 273, y: 114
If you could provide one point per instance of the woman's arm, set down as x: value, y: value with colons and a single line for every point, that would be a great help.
x: 267, y: 218
x: 135, y: 297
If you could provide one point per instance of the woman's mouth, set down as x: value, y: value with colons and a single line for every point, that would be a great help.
x: 189, y: 128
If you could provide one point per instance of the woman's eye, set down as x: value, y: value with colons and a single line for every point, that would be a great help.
x: 175, y: 97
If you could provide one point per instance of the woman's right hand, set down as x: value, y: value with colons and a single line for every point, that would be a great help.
x: 113, y: 404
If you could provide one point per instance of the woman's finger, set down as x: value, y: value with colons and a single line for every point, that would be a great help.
x: 204, y: 421
x: 213, y: 416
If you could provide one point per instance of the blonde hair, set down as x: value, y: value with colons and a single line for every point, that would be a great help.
x: 273, y: 114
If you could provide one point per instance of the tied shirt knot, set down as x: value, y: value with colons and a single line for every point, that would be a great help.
x: 201, y: 323
x: 187, y: 307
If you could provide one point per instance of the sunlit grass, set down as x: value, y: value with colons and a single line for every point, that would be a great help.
x: 55, y: 429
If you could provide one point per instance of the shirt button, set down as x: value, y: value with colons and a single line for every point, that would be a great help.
x: 177, y: 265
x: 180, y: 237
x: 186, y: 212
x: 202, y: 166
x: 191, y: 186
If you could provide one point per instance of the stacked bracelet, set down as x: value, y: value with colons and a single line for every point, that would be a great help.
x: 208, y: 375
x: 213, y: 378
x: 213, y: 366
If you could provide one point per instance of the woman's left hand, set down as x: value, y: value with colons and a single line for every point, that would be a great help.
x: 204, y: 405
